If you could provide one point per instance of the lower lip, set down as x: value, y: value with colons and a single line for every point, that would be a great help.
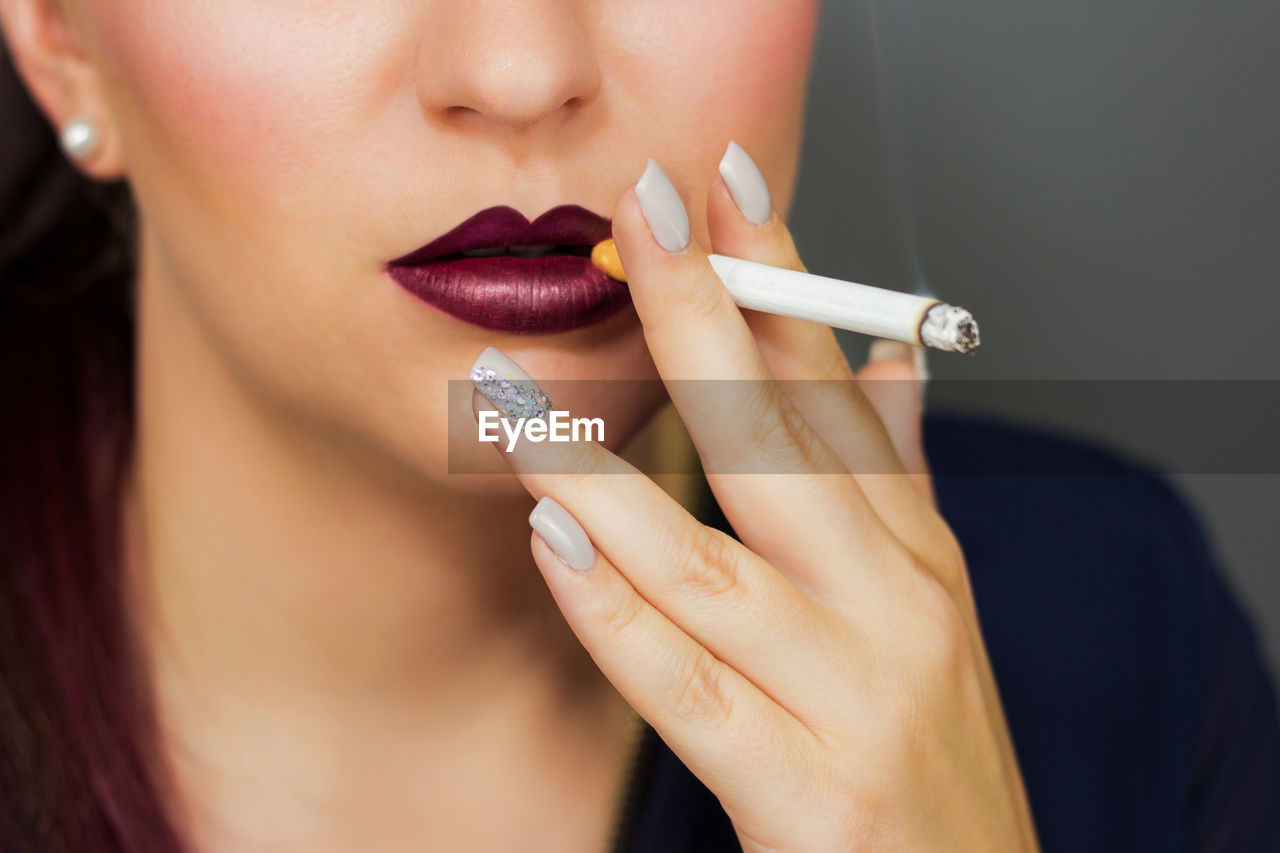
x: 518, y: 295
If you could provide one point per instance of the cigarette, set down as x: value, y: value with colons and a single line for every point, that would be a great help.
x: 909, y: 317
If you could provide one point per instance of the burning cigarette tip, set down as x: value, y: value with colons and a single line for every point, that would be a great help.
x: 950, y: 329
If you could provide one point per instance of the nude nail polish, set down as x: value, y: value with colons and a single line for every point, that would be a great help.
x: 508, y: 387
x: 746, y: 184
x: 564, y: 534
x: 882, y: 349
x: 662, y: 208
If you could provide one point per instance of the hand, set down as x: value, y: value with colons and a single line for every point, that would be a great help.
x: 826, y: 677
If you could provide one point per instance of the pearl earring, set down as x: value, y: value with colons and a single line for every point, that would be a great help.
x: 79, y: 138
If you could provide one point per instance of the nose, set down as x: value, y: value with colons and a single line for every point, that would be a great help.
x: 509, y: 63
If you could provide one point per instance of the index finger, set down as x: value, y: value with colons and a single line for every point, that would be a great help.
x: 736, y: 414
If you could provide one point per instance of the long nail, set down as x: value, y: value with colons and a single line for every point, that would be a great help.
x: 922, y: 373
x: 920, y: 361
x: 564, y: 534
x: 746, y: 184
x: 508, y: 387
x: 662, y: 208
x: 883, y: 349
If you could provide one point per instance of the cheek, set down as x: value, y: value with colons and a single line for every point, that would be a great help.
x: 247, y: 127
x: 722, y: 69
x: 249, y: 132
x: 754, y: 58
x: 241, y: 98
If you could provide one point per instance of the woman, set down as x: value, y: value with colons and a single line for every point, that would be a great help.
x: 253, y: 601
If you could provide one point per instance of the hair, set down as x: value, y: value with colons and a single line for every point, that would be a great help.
x: 77, y: 756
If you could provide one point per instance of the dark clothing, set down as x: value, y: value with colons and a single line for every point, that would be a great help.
x: 1141, y: 714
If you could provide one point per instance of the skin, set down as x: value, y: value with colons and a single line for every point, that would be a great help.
x: 352, y: 649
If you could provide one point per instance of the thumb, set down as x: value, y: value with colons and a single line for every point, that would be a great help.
x: 893, y: 380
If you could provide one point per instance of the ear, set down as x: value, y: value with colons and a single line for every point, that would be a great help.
x: 46, y: 47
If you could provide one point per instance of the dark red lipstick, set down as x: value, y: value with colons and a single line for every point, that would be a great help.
x: 500, y: 271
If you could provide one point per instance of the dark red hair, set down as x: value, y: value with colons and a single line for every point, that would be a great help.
x: 77, y: 763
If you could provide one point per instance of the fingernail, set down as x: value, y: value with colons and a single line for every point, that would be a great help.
x: 883, y: 349
x: 886, y: 350
x: 746, y: 184
x: 921, y: 364
x: 662, y: 208
x: 564, y: 534
x: 922, y: 374
x: 508, y: 387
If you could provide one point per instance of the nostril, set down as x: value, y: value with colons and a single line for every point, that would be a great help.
x: 460, y: 111
x: 530, y: 64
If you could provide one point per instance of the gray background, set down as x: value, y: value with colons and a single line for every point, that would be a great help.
x: 1097, y: 182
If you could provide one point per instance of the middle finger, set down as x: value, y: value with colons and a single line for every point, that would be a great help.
x: 738, y: 417
x: 806, y: 358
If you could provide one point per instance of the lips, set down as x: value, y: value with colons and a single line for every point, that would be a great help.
x: 499, y: 271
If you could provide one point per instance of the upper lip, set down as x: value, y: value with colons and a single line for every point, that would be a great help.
x: 503, y: 227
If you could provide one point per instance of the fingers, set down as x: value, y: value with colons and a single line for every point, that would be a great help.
x: 738, y: 418
x: 743, y: 224
x: 878, y: 445
x: 892, y: 381
x: 710, y: 715
x: 729, y: 600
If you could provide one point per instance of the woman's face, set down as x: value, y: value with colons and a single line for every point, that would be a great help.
x: 283, y: 152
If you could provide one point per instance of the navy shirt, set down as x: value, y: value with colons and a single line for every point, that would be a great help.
x: 1141, y: 714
